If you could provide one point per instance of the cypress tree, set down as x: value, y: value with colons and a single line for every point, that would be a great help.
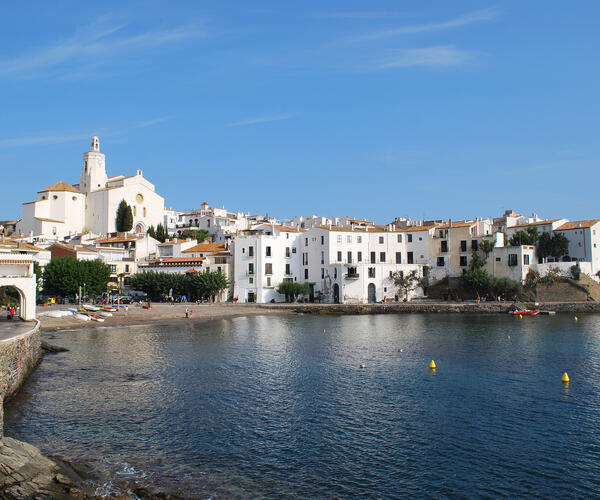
x: 124, y: 219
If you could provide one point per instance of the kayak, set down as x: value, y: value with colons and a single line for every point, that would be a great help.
x: 109, y: 309
x: 147, y: 306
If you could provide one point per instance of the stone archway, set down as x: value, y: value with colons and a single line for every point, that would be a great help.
x: 140, y: 228
x: 336, y: 293
x: 372, y: 293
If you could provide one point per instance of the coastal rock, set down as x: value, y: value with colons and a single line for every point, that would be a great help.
x: 51, y: 349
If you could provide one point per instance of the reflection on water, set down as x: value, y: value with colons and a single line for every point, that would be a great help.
x: 279, y: 406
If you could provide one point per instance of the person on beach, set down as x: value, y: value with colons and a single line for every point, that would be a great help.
x: 186, y: 312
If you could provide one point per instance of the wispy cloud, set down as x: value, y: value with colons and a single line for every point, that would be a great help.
x: 462, y: 20
x: 364, y: 15
x: 443, y: 55
x: 262, y: 119
x: 91, y: 47
x: 46, y: 139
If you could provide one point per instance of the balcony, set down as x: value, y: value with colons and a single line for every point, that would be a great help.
x: 353, y: 276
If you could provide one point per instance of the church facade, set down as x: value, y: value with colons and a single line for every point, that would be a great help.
x: 64, y: 209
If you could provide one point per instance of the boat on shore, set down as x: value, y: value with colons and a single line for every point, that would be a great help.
x: 525, y: 312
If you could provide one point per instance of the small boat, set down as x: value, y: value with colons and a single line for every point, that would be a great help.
x: 82, y: 317
x: 88, y: 307
x: 109, y: 309
x: 105, y: 314
x: 95, y: 317
x: 146, y: 306
x: 525, y: 312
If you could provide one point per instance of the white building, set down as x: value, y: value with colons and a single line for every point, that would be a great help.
x: 63, y: 209
x: 584, y: 242
x: 171, y: 219
x: 264, y: 256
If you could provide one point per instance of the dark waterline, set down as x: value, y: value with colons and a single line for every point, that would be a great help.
x: 279, y: 406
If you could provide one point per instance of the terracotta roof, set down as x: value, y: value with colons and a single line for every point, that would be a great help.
x: 458, y: 223
x: 75, y: 248
x: 119, y: 239
x: 577, y: 224
x: 192, y: 270
x: 61, y: 186
x: 206, y: 247
x: 362, y: 221
x: 415, y: 229
x: 49, y: 220
x: 538, y: 223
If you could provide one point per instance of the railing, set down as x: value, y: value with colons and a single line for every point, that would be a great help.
x: 353, y: 276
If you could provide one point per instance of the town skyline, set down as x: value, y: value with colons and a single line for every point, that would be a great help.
x: 465, y: 110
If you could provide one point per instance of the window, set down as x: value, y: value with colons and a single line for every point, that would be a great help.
x: 371, y: 272
x: 305, y: 242
x: 359, y: 239
x: 335, y: 273
x: 526, y: 260
x: 409, y: 238
x: 287, y: 236
x: 399, y: 238
x: 268, y: 268
x: 409, y: 257
x: 339, y: 256
x: 322, y: 257
x: 268, y: 251
x: 113, y: 268
x: 372, y: 257
x: 512, y: 259
x: 250, y: 251
x: 392, y: 274
x: 474, y: 245
x: 306, y: 274
x: 55, y: 197
x: 288, y: 269
x: 381, y: 256
x: 463, y: 246
x: 268, y: 280
x: 322, y: 273
x: 463, y: 260
x: 287, y: 252
x: 339, y: 238
x: 293, y: 249
x: 381, y: 240
x: 134, y: 210
x: 126, y: 268
x: 398, y: 257
x: 349, y: 257
x: 243, y: 250
x: 359, y: 256
x: 251, y: 268
x: 444, y: 247
x: 251, y: 279
x: 498, y: 259
x: 145, y: 212
x: 322, y: 240
x: 440, y: 261
x: 349, y: 239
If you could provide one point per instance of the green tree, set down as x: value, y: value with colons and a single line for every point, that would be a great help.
x: 151, y: 232
x: 64, y: 275
x: 405, y: 282
x: 486, y: 246
x: 160, y: 233
x: 544, y: 246
x: 96, y: 276
x: 476, y: 261
x: 292, y: 289
x: 527, y: 237
x: 478, y: 281
x: 196, y: 234
x: 124, y: 219
x: 560, y: 245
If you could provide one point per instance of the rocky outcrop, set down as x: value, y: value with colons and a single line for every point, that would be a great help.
x: 26, y: 473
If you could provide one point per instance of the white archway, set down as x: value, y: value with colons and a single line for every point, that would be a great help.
x: 140, y: 228
x: 17, y: 271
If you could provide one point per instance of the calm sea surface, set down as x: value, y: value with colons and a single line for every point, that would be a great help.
x: 277, y: 407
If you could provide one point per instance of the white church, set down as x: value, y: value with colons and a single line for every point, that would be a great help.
x: 63, y: 209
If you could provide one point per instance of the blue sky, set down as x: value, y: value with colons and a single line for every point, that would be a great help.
x: 376, y: 109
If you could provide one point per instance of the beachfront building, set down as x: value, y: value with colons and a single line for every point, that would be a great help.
x: 38, y: 254
x: 584, y: 242
x: 264, y: 256
x: 355, y: 263
x: 63, y: 209
x: 79, y: 252
x: 16, y: 270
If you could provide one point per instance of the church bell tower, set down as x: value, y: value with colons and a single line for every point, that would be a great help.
x: 93, y: 174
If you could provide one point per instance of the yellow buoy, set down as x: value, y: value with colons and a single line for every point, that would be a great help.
x: 432, y: 365
x: 520, y: 316
x: 565, y: 378
x: 576, y: 318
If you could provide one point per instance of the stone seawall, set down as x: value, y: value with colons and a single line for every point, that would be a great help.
x: 424, y: 307
x: 19, y: 355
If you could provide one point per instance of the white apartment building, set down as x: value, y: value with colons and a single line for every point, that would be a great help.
x: 264, y: 256
x: 355, y: 264
x: 171, y: 219
x: 584, y: 242
x: 309, y: 221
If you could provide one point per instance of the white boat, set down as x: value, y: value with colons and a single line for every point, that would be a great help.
x: 105, y: 314
x: 82, y: 317
x: 90, y: 308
